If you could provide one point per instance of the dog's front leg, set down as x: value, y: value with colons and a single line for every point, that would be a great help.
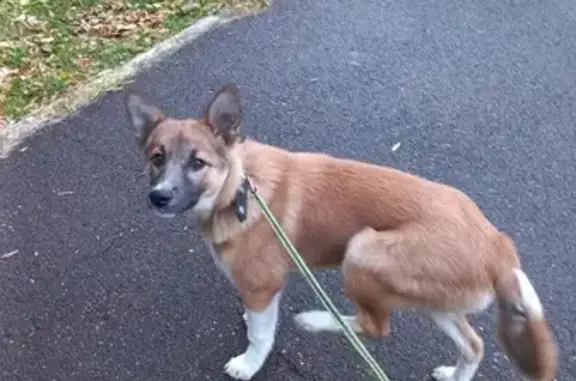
x: 261, y: 332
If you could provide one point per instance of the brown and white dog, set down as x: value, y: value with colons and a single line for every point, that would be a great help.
x: 402, y: 241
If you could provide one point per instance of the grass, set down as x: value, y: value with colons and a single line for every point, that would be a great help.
x: 48, y: 47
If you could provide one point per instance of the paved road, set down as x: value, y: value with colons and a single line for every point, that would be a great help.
x: 480, y: 94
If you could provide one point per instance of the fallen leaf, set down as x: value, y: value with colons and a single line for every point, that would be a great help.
x: 5, y: 73
x: 10, y: 254
x: 193, y: 4
x: 84, y: 62
x: 7, y: 44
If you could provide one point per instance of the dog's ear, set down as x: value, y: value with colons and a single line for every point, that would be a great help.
x: 224, y: 114
x: 143, y: 115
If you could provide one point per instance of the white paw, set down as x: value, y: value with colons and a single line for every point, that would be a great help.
x: 443, y: 373
x: 314, y: 321
x: 239, y: 368
x: 245, y: 316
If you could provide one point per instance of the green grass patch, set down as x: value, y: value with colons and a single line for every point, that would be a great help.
x: 50, y: 46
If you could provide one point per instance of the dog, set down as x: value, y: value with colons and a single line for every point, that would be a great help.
x: 400, y: 240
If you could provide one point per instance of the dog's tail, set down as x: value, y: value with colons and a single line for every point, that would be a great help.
x: 523, y: 331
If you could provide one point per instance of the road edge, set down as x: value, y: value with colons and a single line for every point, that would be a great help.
x: 17, y: 132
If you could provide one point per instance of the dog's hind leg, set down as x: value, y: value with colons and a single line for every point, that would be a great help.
x: 469, y: 344
x: 317, y: 321
x: 371, y: 321
x: 362, y: 287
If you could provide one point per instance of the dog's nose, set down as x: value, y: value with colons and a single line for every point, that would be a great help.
x: 160, y: 198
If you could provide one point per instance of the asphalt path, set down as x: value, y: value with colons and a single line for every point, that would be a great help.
x: 479, y: 94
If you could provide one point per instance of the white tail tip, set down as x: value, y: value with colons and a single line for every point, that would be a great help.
x: 530, y: 300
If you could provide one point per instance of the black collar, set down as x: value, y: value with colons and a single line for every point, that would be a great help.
x: 240, y: 202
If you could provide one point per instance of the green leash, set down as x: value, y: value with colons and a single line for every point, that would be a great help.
x: 320, y: 293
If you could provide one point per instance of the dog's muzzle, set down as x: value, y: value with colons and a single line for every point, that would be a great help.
x: 160, y: 198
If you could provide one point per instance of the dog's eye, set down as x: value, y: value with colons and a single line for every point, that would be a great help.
x: 157, y: 159
x: 197, y: 164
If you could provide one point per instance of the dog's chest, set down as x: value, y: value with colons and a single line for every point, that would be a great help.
x: 217, y: 257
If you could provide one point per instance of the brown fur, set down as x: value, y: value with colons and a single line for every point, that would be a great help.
x: 402, y: 241
x: 526, y: 339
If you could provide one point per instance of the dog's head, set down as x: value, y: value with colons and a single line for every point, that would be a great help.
x: 189, y: 160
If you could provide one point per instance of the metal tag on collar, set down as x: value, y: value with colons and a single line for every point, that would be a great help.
x: 241, y: 201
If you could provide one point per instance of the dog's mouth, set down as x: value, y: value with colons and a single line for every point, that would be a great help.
x: 163, y: 214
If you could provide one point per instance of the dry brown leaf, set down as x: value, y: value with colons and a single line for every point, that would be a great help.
x: 84, y: 62
x: 24, y: 73
x: 114, y: 25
